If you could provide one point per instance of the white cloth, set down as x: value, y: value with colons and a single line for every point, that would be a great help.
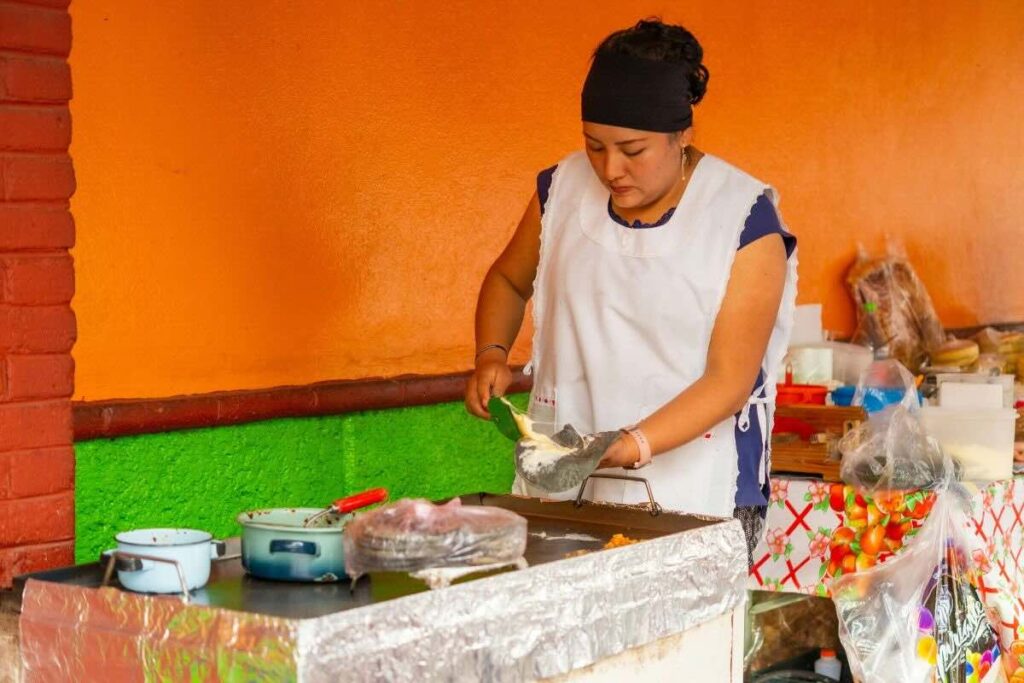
x: 623, y: 320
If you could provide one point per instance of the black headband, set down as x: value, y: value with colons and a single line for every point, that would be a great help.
x: 632, y: 92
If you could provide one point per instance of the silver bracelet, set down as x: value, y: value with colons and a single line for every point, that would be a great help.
x: 488, y: 348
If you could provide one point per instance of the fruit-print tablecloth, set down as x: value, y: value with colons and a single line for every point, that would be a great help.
x: 816, y: 531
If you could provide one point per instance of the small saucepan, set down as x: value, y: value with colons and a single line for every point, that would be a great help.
x: 163, y: 560
x: 281, y: 543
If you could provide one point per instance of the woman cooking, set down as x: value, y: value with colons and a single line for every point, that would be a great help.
x: 663, y: 284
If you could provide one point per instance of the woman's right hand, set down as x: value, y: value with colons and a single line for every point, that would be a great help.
x: 491, y: 378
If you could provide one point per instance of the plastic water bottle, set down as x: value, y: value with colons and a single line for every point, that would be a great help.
x: 828, y: 665
x: 869, y: 332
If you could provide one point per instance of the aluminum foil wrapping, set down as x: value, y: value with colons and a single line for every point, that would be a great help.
x: 535, y: 623
x: 70, y: 633
x: 532, y: 623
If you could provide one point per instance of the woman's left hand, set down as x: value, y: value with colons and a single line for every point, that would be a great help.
x: 622, y: 453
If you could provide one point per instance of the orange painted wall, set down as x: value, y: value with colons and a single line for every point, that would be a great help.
x: 280, y: 192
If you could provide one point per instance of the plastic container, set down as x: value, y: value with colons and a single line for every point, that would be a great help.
x: 829, y: 665
x: 811, y: 364
x: 874, y: 399
x: 843, y: 396
x: 801, y: 394
x: 982, y: 440
x: 848, y: 361
x: 1005, y: 381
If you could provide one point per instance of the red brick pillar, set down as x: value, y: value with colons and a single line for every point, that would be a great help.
x: 37, y: 326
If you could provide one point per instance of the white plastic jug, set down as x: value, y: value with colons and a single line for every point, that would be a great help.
x: 828, y: 665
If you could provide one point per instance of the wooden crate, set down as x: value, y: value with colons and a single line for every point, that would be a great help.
x: 807, y: 458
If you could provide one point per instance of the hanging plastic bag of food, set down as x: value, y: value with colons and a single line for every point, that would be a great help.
x: 919, y: 616
x: 890, y: 451
x: 894, y: 306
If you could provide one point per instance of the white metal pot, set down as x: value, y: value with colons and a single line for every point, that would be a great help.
x: 164, y: 560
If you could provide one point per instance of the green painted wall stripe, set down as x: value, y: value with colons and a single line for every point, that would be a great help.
x: 203, y: 478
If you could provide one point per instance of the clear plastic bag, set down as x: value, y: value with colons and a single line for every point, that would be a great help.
x: 919, y: 616
x: 893, y: 304
x: 1006, y: 346
x: 884, y: 383
x: 989, y: 340
x: 412, y: 535
x: 789, y: 631
x: 890, y: 451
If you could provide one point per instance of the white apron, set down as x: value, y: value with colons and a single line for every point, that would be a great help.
x: 623, y: 320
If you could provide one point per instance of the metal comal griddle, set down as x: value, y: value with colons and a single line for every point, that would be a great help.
x: 555, y: 530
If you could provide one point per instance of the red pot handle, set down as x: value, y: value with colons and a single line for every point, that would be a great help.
x: 360, y: 500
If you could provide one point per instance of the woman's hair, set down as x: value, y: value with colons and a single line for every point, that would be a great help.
x: 656, y: 40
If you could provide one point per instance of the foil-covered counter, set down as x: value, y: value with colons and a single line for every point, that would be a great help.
x: 75, y: 633
x: 527, y: 624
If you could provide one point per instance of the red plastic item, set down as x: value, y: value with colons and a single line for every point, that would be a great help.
x: 801, y: 394
x: 359, y: 500
x: 792, y: 425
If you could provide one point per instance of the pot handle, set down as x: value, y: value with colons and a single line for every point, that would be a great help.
x: 359, y: 500
x: 218, y: 549
x: 125, y: 563
x: 296, y: 547
x: 116, y: 555
x: 654, y: 510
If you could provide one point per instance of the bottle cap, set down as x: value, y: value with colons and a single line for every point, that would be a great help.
x: 828, y: 653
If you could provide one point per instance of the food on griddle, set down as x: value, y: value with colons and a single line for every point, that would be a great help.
x: 411, y: 535
x: 616, y: 541
x: 619, y: 540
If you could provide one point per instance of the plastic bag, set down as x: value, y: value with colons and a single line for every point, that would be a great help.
x: 782, y: 633
x: 919, y: 617
x: 989, y: 340
x: 1007, y: 346
x: 412, y: 535
x: 890, y: 451
x: 902, y: 314
x: 884, y: 383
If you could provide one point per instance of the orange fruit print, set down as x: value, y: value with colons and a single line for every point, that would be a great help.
x: 873, y: 527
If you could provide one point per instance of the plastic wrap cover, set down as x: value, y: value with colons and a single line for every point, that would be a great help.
x: 71, y: 633
x: 535, y: 623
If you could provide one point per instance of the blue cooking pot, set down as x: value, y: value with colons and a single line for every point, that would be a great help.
x: 275, y: 545
x: 301, y: 544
